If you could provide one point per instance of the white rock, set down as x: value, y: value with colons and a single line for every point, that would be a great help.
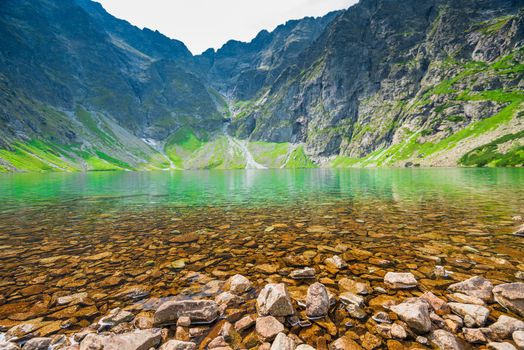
x: 336, y: 262
x: 518, y: 338
x: 274, y: 300
x: 473, y: 315
x: 511, y: 296
x: 137, y: 340
x: 268, y: 327
x: 283, y: 342
x: 178, y: 345
x: 445, y: 340
x: 477, y: 286
x: 504, y: 328
x: 400, y: 280
x: 501, y: 346
x: 238, y: 284
x: 415, y: 312
x: 317, y: 301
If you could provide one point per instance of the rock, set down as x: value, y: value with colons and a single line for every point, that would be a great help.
x: 400, y: 280
x: 519, y: 231
x: 37, y: 344
x: 504, y: 328
x: 304, y: 347
x: 381, y: 317
x: 199, y: 311
x: 422, y: 340
x: 356, y: 312
x: 274, y: 300
x: 73, y: 299
x: 350, y: 298
x: 183, y: 321
x: 178, y: 345
x: 267, y: 328
x: 317, y: 301
x: 518, y: 338
x: 305, y: 273
x: 439, y: 305
x: 267, y: 268
x: 501, y: 346
x: 440, y: 272
x: 218, y: 342
x: 474, y: 336
x: 466, y: 299
x: 228, y: 299
x: 244, y: 323
x: 344, y: 343
x: 137, y: 340
x: 115, y: 317
x: 283, y: 342
x: 8, y: 346
x: 415, y: 312
x: 477, y: 286
x: 354, y: 287
x: 397, y: 331
x: 370, y: 341
x: 444, y: 340
x: 336, y: 262
x: 473, y: 315
x: 511, y: 296
x: 238, y: 284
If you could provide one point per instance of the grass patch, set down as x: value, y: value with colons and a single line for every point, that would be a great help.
x: 299, y: 159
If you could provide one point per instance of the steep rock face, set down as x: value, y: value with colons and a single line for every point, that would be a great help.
x: 390, y: 76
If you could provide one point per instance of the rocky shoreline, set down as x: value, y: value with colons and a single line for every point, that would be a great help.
x: 472, y: 314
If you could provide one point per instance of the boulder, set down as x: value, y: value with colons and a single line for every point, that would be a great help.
x: 283, y: 342
x: 238, y: 284
x: 317, y: 301
x: 344, y: 343
x: 137, y: 340
x: 473, y: 315
x: 274, y: 300
x: 267, y: 328
x: 518, y: 338
x: 504, y: 328
x: 177, y: 345
x: 37, y: 344
x: 228, y: 299
x: 477, y: 286
x: 415, y: 312
x: 445, y: 340
x: 400, y: 280
x: 438, y: 305
x: 511, y: 296
x: 501, y: 346
x: 199, y: 311
x: 304, y: 273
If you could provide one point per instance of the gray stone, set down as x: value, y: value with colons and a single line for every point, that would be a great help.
x: 8, y: 346
x: 504, y: 328
x: 351, y: 298
x: 511, y: 296
x: 415, y: 312
x: 238, y: 284
x: 304, y: 273
x: 400, y: 280
x: 199, y: 311
x: 244, y: 323
x: 274, y: 300
x: 115, y: 317
x: 178, y: 345
x: 137, y: 340
x: 501, y: 346
x: 304, y: 347
x: 283, y: 342
x: 474, y: 335
x: 518, y: 338
x: 228, y: 299
x: 317, y: 301
x: 473, y: 315
x: 37, y: 344
x: 267, y: 328
x: 445, y: 340
x: 477, y: 286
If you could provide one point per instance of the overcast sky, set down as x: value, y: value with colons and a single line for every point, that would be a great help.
x: 202, y: 24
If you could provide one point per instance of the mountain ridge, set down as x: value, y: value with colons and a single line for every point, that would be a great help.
x: 384, y: 83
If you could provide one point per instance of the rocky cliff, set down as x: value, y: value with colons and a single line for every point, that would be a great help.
x: 384, y: 83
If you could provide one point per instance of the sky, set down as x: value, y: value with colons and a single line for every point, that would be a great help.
x: 203, y: 24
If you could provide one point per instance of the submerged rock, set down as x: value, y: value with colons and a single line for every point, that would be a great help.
x: 199, y: 311
x: 317, y: 301
x: 238, y: 284
x: 274, y: 300
x: 511, y: 296
x: 304, y: 273
x: 415, y: 312
x: 477, y: 286
x: 355, y: 287
x: 400, y: 280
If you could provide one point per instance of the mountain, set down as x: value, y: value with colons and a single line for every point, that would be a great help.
x: 383, y: 83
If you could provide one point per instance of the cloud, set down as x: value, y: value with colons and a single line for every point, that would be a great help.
x: 202, y: 24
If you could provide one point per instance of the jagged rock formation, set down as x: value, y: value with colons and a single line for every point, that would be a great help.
x: 386, y: 82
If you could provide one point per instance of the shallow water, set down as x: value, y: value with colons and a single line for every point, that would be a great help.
x: 130, y: 238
